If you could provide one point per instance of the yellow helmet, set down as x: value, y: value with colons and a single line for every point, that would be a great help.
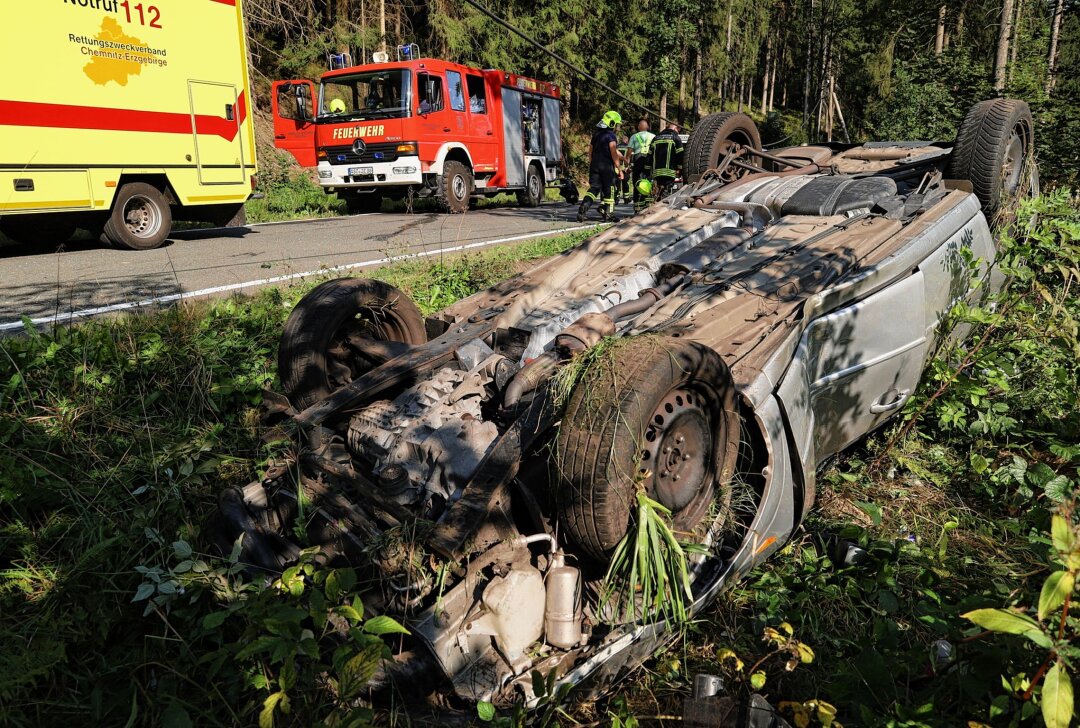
x: 611, y: 119
x: 337, y: 106
x: 644, y: 186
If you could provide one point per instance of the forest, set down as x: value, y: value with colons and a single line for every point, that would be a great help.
x: 809, y: 70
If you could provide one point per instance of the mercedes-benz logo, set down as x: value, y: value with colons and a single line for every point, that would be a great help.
x: 359, y: 147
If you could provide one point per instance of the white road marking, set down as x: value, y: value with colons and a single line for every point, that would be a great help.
x: 63, y: 318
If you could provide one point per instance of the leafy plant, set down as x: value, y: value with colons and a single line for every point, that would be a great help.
x: 1051, y: 629
x: 648, y: 576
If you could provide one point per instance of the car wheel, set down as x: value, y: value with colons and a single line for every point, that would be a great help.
x: 533, y: 194
x: 993, y: 151
x: 660, y: 415
x: 322, y: 345
x: 455, y: 187
x: 46, y: 230
x: 359, y: 203
x: 140, y: 218
x: 713, y: 137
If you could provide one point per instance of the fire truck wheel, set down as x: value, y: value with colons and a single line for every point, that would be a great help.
x: 455, y: 187
x: 140, y: 218
x: 533, y: 194
x: 361, y: 203
x: 38, y: 229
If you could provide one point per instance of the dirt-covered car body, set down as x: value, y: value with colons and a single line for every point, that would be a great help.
x: 777, y: 311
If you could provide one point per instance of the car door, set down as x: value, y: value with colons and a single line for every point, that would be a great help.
x: 484, y: 146
x: 854, y: 368
x: 434, y: 114
x: 292, y: 104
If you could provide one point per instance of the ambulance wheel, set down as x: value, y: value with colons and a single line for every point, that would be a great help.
x: 140, y: 218
x: 38, y: 229
x: 533, y: 194
x: 455, y: 187
x: 358, y: 204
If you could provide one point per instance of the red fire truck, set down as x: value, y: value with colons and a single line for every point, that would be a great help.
x: 424, y: 127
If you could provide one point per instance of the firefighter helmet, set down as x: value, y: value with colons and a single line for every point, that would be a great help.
x: 611, y: 119
x: 644, y: 186
x: 337, y: 106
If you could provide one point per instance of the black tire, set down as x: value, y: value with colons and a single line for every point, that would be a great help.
x: 313, y: 358
x: 711, y: 139
x: 358, y: 203
x: 993, y: 151
x: 615, y: 428
x: 140, y: 218
x: 533, y: 194
x: 455, y: 187
x: 46, y: 230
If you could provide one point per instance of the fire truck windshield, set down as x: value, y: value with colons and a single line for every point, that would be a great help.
x: 367, y: 95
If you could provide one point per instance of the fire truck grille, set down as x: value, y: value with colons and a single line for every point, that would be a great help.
x: 380, y: 152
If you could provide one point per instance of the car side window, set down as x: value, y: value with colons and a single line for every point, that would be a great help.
x: 477, y: 94
x: 457, y: 91
x: 431, y: 93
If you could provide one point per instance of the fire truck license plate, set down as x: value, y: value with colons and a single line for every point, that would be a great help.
x: 360, y: 171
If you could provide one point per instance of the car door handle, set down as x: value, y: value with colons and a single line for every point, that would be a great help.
x: 491, y: 133
x: 446, y: 128
x: 898, y: 402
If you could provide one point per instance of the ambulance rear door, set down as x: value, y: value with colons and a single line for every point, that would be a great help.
x: 215, y: 119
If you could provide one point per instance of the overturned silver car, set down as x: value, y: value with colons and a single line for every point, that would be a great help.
x: 480, y: 467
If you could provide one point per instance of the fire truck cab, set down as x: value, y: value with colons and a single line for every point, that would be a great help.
x: 423, y: 127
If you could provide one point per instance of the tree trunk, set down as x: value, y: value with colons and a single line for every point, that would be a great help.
x: 939, y: 38
x: 1001, y: 61
x: 776, y: 62
x: 1055, y: 33
x: 806, y: 78
x: 960, y: 26
x: 1017, y: 25
x: 698, y: 71
x: 663, y: 109
x: 382, y: 25
x: 765, y: 77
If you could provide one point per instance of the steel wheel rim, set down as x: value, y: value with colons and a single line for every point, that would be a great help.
x: 1013, y: 165
x: 459, y: 187
x: 677, y: 457
x: 142, y: 217
x: 534, y: 186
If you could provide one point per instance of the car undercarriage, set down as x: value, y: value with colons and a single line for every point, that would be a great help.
x: 478, y: 468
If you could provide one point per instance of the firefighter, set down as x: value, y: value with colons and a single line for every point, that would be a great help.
x: 604, y: 164
x: 667, y: 159
x: 640, y: 145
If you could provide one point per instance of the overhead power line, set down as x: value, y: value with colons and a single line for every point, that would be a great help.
x: 580, y: 71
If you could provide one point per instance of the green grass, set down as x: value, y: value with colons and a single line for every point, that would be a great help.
x: 115, y: 437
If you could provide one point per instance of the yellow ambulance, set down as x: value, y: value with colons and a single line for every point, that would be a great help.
x: 118, y: 116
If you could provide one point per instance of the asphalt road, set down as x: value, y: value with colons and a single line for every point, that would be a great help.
x: 86, y: 278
